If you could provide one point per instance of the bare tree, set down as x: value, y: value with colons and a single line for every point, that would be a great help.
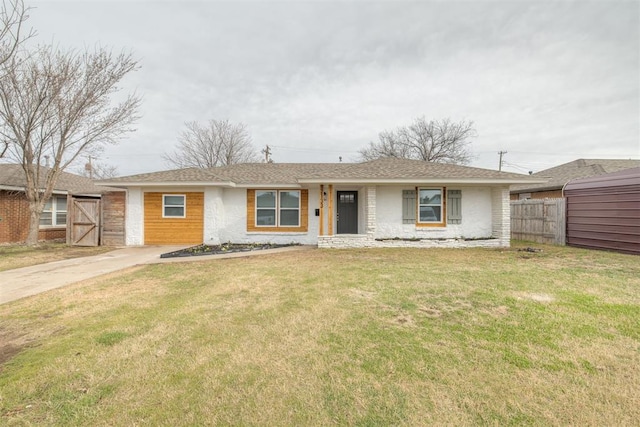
x: 219, y: 143
x: 58, y: 104
x: 387, y: 146
x: 441, y: 141
x: 13, y: 14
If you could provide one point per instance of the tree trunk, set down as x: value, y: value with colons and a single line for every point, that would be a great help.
x: 34, y: 226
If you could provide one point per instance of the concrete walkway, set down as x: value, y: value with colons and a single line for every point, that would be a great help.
x: 27, y: 281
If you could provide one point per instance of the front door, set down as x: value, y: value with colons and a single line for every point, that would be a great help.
x: 347, y: 216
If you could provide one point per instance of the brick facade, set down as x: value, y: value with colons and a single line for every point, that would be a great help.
x: 14, y: 220
x: 551, y: 194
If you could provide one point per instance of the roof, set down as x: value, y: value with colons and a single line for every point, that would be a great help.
x: 386, y: 170
x: 558, y: 176
x: 12, y: 177
x: 624, y: 178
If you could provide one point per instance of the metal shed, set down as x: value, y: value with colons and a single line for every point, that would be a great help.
x: 603, y: 212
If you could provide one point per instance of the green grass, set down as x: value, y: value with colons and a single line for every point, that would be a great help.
x: 17, y: 256
x: 325, y: 337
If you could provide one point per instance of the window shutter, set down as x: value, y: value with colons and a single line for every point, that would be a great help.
x: 454, y: 206
x: 408, y: 206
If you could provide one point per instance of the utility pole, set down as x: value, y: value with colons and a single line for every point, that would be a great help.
x: 500, y: 165
x: 267, y: 154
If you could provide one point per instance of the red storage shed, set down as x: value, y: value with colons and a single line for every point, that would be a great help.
x: 603, y: 212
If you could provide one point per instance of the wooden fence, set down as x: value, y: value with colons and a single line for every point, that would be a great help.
x: 539, y: 220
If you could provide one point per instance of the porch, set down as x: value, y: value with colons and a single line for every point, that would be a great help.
x: 377, y: 228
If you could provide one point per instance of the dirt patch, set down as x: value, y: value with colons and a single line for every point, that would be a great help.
x: 10, y: 345
x: 499, y: 311
x: 430, y: 311
x: 404, y: 320
x: 362, y: 294
x: 545, y: 298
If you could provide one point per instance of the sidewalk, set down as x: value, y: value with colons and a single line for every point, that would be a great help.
x: 27, y: 281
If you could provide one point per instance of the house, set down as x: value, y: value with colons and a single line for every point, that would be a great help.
x: 70, y: 188
x: 603, y: 212
x: 384, y: 202
x: 556, y: 177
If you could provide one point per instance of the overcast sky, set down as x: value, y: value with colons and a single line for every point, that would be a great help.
x: 548, y: 82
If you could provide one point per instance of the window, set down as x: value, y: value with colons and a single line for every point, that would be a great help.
x: 431, y: 209
x: 289, y: 208
x: 266, y: 208
x: 277, y: 211
x: 173, y: 206
x: 347, y: 198
x: 55, y: 212
x: 430, y: 205
x: 278, y: 208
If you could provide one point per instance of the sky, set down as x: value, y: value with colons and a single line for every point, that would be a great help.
x: 546, y: 81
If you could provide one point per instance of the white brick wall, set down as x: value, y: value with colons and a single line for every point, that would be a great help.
x: 134, y: 217
x: 371, y: 210
x: 501, y: 216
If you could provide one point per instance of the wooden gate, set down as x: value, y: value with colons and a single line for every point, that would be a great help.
x: 84, y: 222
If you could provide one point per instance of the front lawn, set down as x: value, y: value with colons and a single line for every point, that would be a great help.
x: 17, y: 256
x: 326, y: 337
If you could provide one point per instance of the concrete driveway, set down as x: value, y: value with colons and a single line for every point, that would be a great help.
x: 27, y: 281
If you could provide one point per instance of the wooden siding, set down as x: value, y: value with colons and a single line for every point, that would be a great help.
x: 304, y: 214
x: 173, y: 231
x: 330, y: 211
x: 541, y: 221
x: 113, y: 215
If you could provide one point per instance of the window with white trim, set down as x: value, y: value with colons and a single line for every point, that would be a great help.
x: 55, y: 212
x: 278, y: 208
x: 174, y: 205
x: 429, y: 205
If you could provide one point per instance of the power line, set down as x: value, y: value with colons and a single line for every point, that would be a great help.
x: 320, y: 150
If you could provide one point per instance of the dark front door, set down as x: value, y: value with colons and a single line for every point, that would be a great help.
x: 347, y: 212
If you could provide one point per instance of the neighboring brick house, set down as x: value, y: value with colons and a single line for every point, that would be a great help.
x: 557, y: 177
x: 14, y: 207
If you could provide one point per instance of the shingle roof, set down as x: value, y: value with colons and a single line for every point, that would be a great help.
x: 386, y: 169
x: 558, y: 176
x: 12, y: 176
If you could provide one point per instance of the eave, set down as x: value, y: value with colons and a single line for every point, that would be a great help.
x: 125, y: 184
x: 420, y: 181
x: 23, y: 190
